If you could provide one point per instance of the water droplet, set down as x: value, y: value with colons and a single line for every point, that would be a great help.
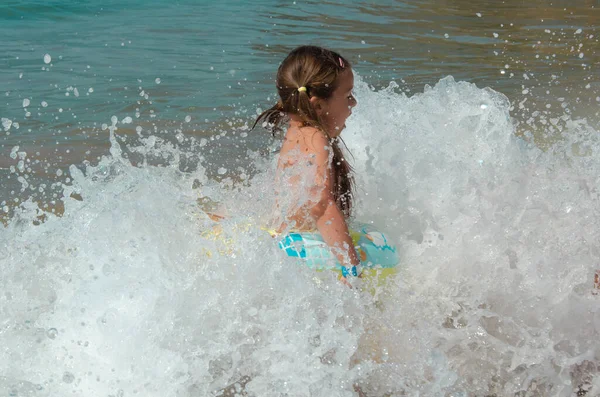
x: 6, y: 123
x: 157, y: 80
x: 26, y: 102
x: 13, y: 152
x: 188, y: 118
x: 52, y: 333
x: 68, y: 377
x: 47, y: 59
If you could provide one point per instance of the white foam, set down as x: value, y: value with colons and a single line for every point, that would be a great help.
x: 131, y: 291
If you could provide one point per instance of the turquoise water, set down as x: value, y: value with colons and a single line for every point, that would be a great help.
x: 213, y: 59
x: 116, y: 48
x: 115, y: 145
x: 198, y: 67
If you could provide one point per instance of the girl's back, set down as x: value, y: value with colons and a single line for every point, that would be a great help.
x: 302, y: 173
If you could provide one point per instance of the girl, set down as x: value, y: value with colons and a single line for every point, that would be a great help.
x: 314, y: 180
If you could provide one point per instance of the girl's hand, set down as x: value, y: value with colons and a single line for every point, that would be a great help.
x: 345, y: 281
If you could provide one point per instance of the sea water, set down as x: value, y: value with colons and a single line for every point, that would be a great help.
x: 116, y: 282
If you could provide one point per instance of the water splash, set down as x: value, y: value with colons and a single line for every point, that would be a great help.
x: 136, y: 290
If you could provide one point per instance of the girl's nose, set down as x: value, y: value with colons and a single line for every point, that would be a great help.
x: 353, y: 102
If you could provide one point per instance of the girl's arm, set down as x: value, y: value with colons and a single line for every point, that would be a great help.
x: 328, y: 217
x: 332, y: 226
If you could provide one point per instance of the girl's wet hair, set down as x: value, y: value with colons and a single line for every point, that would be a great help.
x: 306, y: 72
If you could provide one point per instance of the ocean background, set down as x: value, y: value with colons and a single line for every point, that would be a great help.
x: 476, y: 148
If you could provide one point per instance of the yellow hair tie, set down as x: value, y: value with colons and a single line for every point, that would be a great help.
x: 302, y: 89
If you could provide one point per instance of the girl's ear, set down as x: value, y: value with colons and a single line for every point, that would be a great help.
x: 317, y: 103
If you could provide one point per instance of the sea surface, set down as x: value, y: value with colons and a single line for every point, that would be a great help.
x: 476, y: 148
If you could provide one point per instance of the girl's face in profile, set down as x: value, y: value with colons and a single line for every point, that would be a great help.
x: 339, y: 106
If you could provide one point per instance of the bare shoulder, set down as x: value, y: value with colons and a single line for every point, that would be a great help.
x: 307, y: 140
x: 305, y: 146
